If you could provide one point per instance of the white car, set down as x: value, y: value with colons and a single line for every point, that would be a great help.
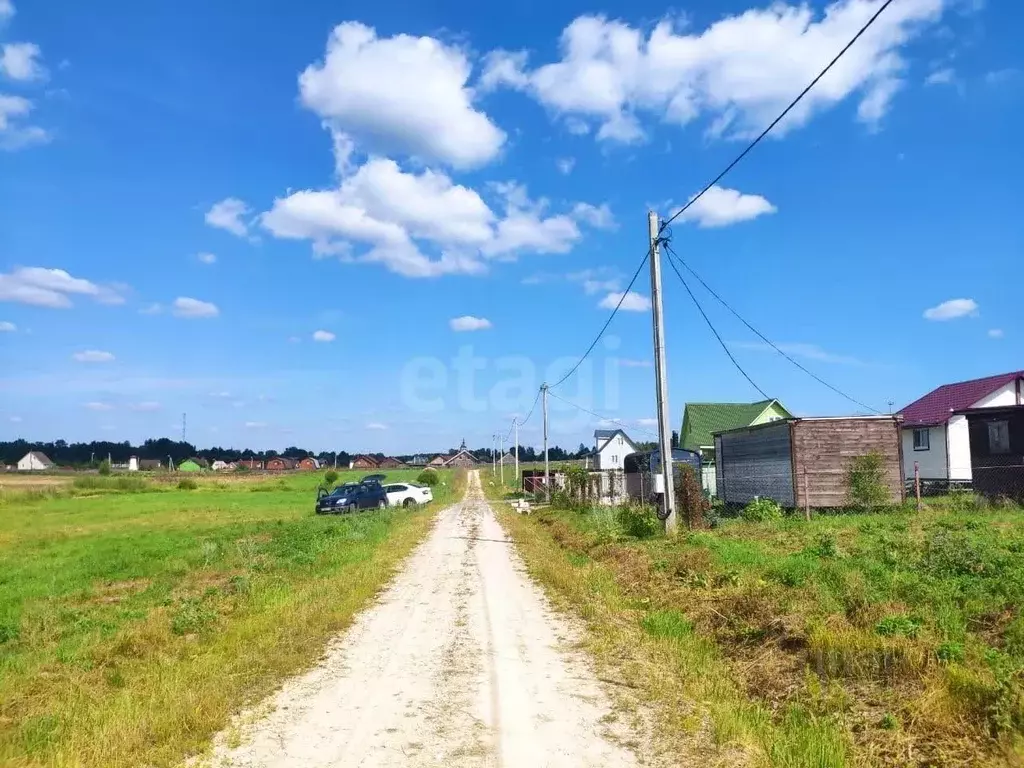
x: 407, y: 494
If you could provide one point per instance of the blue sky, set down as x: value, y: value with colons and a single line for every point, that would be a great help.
x: 381, y: 227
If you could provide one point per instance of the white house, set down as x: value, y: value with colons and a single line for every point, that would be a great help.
x: 936, y: 439
x: 612, y: 447
x: 34, y: 461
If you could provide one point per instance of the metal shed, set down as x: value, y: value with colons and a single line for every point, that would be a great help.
x: 803, y: 462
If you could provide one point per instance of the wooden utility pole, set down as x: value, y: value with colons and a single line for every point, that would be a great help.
x: 501, y: 456
x: 547, y: 465
x: 668, y: 501
x: 515, y: 428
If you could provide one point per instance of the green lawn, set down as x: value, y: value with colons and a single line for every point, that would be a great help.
x: 135, y: 617
x: 890, y: 639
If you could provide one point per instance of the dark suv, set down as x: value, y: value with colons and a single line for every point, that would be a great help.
x: 351, y: 497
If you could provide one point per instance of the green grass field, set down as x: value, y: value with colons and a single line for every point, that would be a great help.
x: 885, y: 639
x: 136, y: 617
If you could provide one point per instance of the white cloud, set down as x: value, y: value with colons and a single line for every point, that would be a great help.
x: 599, y: 216
x: 596, y: 280
x: 720, y: 207
x: 14, y: 135
x: 800, y: 349
x: 229, y: 215
x: 44, y: 287
x: 952, y: 309
x: 96, y: 406
x: 206, y: 258
x: 6, y: 10
x: 400, y: 94
x: 145, y: 407
x: 294, y: 339
x: 323, y: 336
x: 376, y: 425
x: 93, y: 356
x: 7, y: 327
x: 1001, y: 76
x: 995, y: 333
x: 631, y: 301
x: 255, y: 424
x: 194, y: 308
x: 15, y: 419
x: 647, y: 422
x: 394, y: 212
x: 627, y: 363
x: 565, y: 165
x: 469, y: 323
x: 20, y: 61
x: 944, y: 76
x: 151, y: 309
x: 738, y: 73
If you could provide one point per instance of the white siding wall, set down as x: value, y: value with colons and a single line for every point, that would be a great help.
x: 931, y: 462
x: 1006, y: 395
x: 959, y: 449
x: 612, y: 455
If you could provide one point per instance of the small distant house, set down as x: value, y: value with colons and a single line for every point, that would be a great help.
x: 437, y: 461
x: 462, y: 459
x: 389, y: 462
x: 362, y: 461
x: 222, y: 466
x: 148, y: 465
x: 309, y: 464
x: 611, y: 448
x: 191, y: 465
x: 805, y: 462
x: 35, y: 461
x: 419, y: 460
x: 250, y: 463
x: 936, y: 435
x: 280, y: 464
x: 997, y: 450
x: 508, y: 460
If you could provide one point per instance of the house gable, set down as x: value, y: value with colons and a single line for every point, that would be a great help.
x: 938, y: 405
x: 701, y: 420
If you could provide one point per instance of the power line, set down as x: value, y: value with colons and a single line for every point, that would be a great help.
x: 707, y: 320
x: 778, y: 119
x: 604, y: 328
x: 521, y: 423
x: 673, y: 256
x: 599, y: 416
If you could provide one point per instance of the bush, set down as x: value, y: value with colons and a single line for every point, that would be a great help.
x: 638, y: 521
x: 330, y: 477
x: 428, y: 477
x: 187, y: 484
x: 104, y: 467
x: 762, y: 510
x: 866, y: 482
x: 690, y: 498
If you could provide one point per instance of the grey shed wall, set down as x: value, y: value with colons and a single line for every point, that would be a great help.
x: 755, y: 462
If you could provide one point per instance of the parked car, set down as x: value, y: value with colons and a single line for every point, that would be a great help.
x: 407, y: 494
x: 351, y: 497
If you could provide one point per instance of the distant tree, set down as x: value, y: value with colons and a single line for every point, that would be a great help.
x: 104, y: 467
x: 675, y: 439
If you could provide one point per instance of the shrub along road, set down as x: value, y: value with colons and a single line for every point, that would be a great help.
x: 461, y: 663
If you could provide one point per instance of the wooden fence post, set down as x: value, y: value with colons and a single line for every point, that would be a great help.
x: 917, y: 484
x: 807, y: 497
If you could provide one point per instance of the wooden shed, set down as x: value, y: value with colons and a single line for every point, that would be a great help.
x: 805, y: 462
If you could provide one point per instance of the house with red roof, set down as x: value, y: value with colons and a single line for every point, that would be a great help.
x: 936, y: 437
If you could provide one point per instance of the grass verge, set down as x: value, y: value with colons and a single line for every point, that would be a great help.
x: 133, y: 625
x: 889, y: 639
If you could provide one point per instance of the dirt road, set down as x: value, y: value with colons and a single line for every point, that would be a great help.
x: 460, y: 663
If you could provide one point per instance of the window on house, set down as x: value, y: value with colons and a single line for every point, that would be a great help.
x: 922, y: 440
x: 615, y: 459
x: 620, y: 439
x: 998, y: 437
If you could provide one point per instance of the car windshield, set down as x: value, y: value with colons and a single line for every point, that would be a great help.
x: 343, y: 490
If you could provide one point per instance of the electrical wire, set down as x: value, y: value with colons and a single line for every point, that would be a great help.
x: 599, y: 416
x: 707, y: 320
x: 673, y: 256
x: 604, y: 328
x: 778, y: 119
x: 521, y: 423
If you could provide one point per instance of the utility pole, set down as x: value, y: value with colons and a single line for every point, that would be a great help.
x: 668, y: 501
x: 515, y: 427
x: 501, y: 457
x: 494, y: 446
x: 547, y: 464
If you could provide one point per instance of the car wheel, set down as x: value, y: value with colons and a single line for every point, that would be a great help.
x: 408, y: 503
x: 381, y: 504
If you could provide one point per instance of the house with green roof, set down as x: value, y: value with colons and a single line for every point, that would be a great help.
x: 702, y: 420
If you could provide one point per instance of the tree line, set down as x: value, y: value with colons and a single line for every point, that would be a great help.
x: 83, y: 455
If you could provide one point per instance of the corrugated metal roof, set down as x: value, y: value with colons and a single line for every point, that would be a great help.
x: 937, y: 406
x: 701, y: 420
